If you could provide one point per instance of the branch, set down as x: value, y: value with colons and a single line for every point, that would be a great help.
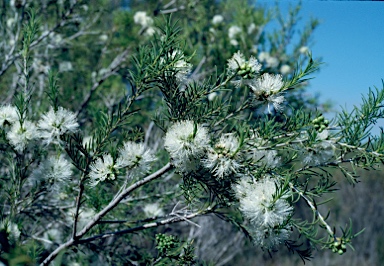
x: 314, y: 209
x: 78, y: 203
x: 103, y: 212
x: 172, y: 220
x: 360, y: 149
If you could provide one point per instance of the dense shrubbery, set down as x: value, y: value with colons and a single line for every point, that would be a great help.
x: 120, y: 123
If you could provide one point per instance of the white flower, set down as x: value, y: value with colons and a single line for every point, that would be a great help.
x: 257, y: 203
x: 8, y: 115
x: 11, y: 228
x: 265, y: 214
x: 212, y: 96
x: 10, y: 22
x: 19, y: 136
x: 142, y: 19
x: 233, y: 31
x: 234, y: 42
x: 223, y: 159
x: 184, y: 141
x: 217, y: 19
x: 251, y: 28
x: 246, y: 69
x: 65, y: 66
x: 269, y: 238
x: 267, y: 158
x: 267, y: 89
x: 103, y: 37
x: 285, y: 69
x: 263, y: 56
x: 270, y: 61
x: 58, y: 38
x: 153, y: 210
x: 54, y: 170
x: 103, y: 169
x: 135, y: 157
x: 52, y: 236
x: 320, y: 152
x: 54, y: 124
x: 150, y: 31
x: 304, y: 50
x: 181, y: 66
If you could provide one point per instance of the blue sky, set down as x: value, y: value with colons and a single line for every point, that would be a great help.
x: 350, y: 40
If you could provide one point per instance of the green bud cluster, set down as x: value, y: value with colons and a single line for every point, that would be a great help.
x: 320, y: 123
x: 246, y: 72
x: 339, y: 246
x: 165, y: 242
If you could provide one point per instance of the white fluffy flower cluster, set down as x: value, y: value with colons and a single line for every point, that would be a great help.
x: 50, y: 127
x: 265, y: 213
x: 180, y: 65
x: 267, y: 89
x: 320, y: 152
x: 259, y: 155
x: 55, y: 170
x: 186, y: 142
x: 10, y: 228
x: 233, y: 32
x: 142, y: 19
x: 270, y: 61
x: 153, y: 210
x: 103, y: 169
x: 265, y: 158
x: 188, y: 146
x: 8, y: 115
x: 21, y: 134
x: 285, y: 69
x: 135, y: 157
x: 145, y: 21
x: 304, y: 50
x: 54, y: 124
x: 245, y: 69
x: 217, y: 19
x: 223, y: 158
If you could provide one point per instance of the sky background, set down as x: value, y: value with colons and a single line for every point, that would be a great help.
x: 350, y: 40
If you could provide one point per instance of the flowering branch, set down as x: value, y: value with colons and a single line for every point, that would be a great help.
x: 77, y: 208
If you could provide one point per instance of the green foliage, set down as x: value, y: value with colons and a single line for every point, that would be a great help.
x: 173, y: 251
x: 166, y: 118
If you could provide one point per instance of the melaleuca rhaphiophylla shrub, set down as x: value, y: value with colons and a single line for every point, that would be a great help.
x: 73, y: 188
